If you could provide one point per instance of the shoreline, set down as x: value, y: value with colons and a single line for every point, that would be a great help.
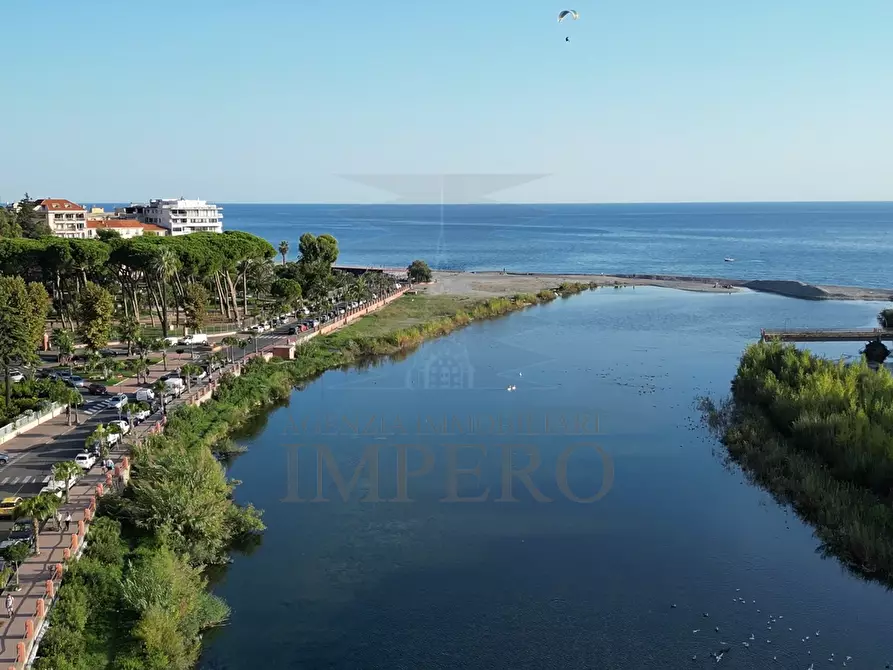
x: 495, y: 284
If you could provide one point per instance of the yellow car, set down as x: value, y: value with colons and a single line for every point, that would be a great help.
x: 8, y: 505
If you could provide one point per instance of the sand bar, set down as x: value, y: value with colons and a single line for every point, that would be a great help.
x: 486, y: 284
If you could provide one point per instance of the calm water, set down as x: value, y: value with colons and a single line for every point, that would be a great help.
x: 561, y: 584
x: 837, y: 243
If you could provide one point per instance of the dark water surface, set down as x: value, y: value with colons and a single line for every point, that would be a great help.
x: 530, y: 584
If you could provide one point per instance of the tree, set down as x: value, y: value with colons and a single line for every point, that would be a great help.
x: 130, y: 330
x: 31, y: 223
x: 189, y: 371
x: 18, y: 316
x: 17, y: 554
x: 9, y: 226
x: 38, y: 509
x: 107, y: 235
x: 66, y: 395
x: 286, y: 293
x: 318, y: 254
x: 160, y: 345
x: 164, y: 265
x: 135, y: 407
x: 419, y: 272
x: 100, y: 435
x: 229, y: 342
x: 160, y: 389
x: 283, y: 250
x: 140, y: 369
x: 65, y: 471
x: 885, y: 318
x: 195, y: 303
x: 63, y: 341
x: 95, y: 311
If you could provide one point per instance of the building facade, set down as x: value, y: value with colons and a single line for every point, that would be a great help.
x: 126, y: 228
x: 65, y: 218
x: 179, y: 216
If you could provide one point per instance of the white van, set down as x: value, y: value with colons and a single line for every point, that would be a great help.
x: 171, y: 341
x: 195, y: 338
x: 175, y: 386
x: 145, y: 395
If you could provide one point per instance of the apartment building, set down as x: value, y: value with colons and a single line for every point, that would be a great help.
x: 126, y: 228
x: 179, y: 216
x: 65, y: 218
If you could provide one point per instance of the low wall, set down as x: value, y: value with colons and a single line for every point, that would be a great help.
x: 354, y: 314
x: 15, y: 429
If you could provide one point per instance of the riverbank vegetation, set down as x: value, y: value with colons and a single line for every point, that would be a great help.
x: 818, y: 435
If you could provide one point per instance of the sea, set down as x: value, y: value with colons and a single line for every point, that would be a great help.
x: 845, y: 244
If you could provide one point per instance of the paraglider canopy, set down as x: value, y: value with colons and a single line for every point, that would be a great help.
x: 568, y: 13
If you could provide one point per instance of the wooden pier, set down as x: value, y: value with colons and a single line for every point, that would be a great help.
x: 827, y: 335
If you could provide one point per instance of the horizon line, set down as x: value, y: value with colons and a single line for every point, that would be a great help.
x: 521, y: 203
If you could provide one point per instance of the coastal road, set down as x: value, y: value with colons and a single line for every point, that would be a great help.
x: 30, y: 470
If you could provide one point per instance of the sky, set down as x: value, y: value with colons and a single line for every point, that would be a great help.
x: 272, y: 100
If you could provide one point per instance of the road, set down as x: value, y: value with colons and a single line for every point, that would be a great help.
x: 29, y: 471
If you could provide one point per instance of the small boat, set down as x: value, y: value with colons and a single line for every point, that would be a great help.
x: 729, y: 260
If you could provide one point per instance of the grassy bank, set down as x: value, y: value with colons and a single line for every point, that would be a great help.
x: 138, y: 597
x: 819, y: 436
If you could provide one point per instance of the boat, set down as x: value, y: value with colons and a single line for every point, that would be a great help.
x: 729, y: 260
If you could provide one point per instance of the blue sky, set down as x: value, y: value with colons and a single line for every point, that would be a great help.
x: 266, y: 101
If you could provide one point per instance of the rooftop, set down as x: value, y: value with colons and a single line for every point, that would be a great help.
x: 59, y: 204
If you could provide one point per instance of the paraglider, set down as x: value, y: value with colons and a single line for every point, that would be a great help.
x: 568, y: 12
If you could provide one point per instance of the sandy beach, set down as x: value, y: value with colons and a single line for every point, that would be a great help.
x: 486, y: 284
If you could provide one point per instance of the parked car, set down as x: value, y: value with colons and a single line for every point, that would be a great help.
x: 123, y: 425
x: 97, y: 389
x: 118, y: 401
x: 8, y: 505
x: 59, y: 485
x: 141, y: 415
x: 112, y: 352
x: 75, y: 381
x: 16, y: 377
x: 22, y: 531
x: 85, y: 461
x: 198, y: 376
x: 144, y: 395
x: 59, y: 493
x: 4, y: 458
x: 293, y: 330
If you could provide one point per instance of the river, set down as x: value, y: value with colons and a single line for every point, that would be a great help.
x: 606, y: 385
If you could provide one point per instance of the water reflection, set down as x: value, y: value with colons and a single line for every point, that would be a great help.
x: 531, y: 584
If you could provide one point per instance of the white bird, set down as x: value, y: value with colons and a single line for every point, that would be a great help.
x: 849, y: 658
x: 696, y: 630
x: 817, y: 633
x: 751, y: 636
x: 745, y: 644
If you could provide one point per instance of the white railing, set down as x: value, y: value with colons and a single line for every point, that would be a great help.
x: 28, y: 418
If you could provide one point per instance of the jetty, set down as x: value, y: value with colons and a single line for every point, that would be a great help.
x: 827, y: 335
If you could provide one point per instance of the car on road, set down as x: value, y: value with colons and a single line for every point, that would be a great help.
x: 4, y: 458
x: 122, y: 425
x: 85, y: 461
x: 118, y: 401
x: 16, y: 377
x: 198, y: 376
x: 21, y: 531
x: 293, y: 330
x: 112, y: 352
x: 75, y: 381
x: 97, y: 389
x: 195, y: 338
x: 8, y: 506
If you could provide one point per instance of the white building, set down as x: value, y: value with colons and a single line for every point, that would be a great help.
x: 178, y: 215
x: 65, y: 218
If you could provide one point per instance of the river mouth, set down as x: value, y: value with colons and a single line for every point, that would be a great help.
x: 630, y: 532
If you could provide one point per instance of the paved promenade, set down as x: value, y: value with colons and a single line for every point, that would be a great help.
x: 40, y: 575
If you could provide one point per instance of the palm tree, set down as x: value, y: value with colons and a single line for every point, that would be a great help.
x: 164, y: 265
x: 16, y: 554
x: 229, y: 342
x: 159, y: 344
x: 243, y: 345
x: 133, y: 408
x: 283, y: 250
x: 65, y: 471
x: 140, y: 368
x: 70, y: 397
x: 39, y: 509
x: 160, y: 389
x: 188, y: 371
x: 63, y: 340
x: 99, y: 435
x: 142, y: 346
